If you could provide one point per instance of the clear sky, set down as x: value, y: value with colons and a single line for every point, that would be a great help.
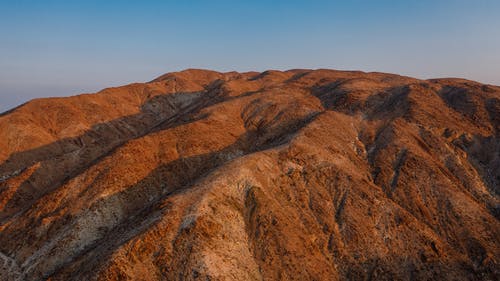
x: 57, y: 48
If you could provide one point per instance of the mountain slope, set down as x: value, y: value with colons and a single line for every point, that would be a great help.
x: 295, y: 175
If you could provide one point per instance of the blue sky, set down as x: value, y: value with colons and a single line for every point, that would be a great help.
x: 58, y: 48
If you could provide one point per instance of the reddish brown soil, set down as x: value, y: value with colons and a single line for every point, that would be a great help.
x: 295, y: 175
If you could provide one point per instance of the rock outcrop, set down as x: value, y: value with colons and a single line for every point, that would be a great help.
x: 294, y: 175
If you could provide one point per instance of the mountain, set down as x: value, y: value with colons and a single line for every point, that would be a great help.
x: 293, y: 175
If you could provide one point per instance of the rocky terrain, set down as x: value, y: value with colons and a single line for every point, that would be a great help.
x: 294, y: 175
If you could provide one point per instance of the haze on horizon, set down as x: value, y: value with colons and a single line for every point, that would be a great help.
x: 61, y: 48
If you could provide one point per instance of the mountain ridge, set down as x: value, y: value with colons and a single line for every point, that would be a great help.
x: 278, y: 175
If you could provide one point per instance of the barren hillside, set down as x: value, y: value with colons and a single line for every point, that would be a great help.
x: 294, y: 175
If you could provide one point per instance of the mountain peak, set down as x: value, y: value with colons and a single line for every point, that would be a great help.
x: 297, y: 175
